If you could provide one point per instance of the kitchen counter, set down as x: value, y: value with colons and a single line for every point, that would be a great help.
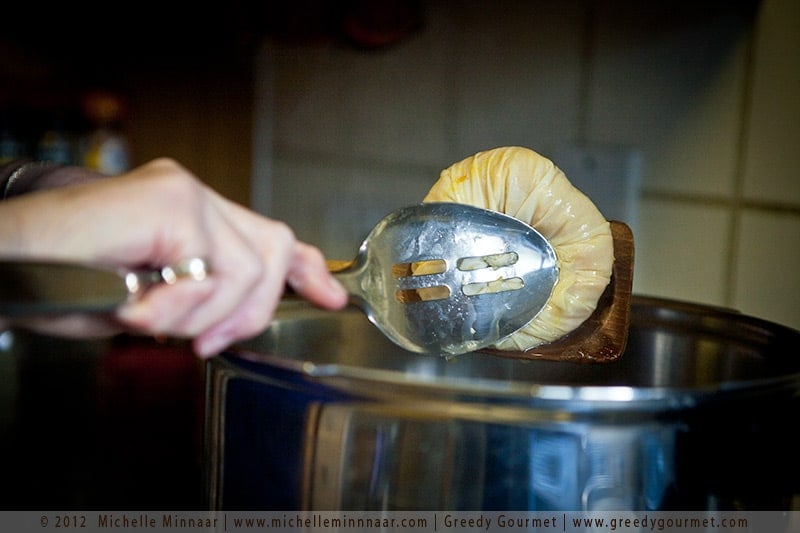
x: 100, y: 425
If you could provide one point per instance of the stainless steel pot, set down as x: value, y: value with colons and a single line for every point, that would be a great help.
x: 321, y: 412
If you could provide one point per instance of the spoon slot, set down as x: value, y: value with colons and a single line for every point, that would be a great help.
x: 419, y: 268
x: 494, y: 261
x: 465, y: 264
x: 423, y: 294
x: 493, y: 287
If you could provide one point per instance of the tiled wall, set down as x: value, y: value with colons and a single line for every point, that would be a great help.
x: 707, y: 93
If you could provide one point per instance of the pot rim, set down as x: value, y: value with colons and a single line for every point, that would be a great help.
x: 378, y: 382
x: 388, y: 383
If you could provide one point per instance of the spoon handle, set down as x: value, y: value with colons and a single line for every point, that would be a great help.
x: 32, y: 287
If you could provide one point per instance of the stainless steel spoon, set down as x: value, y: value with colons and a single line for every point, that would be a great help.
x: 447, y: 278
x: 436, y: 278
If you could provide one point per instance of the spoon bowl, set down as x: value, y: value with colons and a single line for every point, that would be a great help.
x: 446, y: 278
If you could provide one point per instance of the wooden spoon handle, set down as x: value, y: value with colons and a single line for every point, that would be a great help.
x: 337, y: 265
x: 603, y: 336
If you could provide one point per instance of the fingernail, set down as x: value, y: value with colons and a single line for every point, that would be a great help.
x: 134, y: 313
x: 210, y: 345
x: 337, y: 287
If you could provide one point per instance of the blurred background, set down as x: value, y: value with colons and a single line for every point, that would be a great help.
x: 680, y: 118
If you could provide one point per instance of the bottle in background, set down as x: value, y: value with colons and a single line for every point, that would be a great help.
x: 56, y: 144
x: 106, y: 149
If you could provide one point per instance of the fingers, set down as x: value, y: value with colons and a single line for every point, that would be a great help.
x: 68, y: 326
x: 252, y: 259
x: 261, y: 284
x: 164, y: 309
x: 309, y: 277
x: 284, y: 260
x: 160, y: 214
x: 175, y: 217
x: 210, y: 310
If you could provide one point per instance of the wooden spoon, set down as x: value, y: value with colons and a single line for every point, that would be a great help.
x: 603, y: 336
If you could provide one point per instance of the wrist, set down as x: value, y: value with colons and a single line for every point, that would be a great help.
x: 26, y: 176
x: 22, y: 176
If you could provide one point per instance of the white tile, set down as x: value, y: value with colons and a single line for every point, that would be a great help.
x: 609, y: 175
x: 772, y: 159
x: 333, y: 203
x: 668, y: 79
x: 469, y: 81
x: 389, y: 105
x: 517, y: 75
x: 767, y: 273
x: 681, y: 251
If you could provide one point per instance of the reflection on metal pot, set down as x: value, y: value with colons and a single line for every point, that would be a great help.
x: 321, y: 412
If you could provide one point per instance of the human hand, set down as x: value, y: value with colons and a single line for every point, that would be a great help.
x: 160, y: 214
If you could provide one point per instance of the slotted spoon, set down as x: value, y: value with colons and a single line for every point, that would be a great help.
x: 447, y: 278
x: 435, y: 278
